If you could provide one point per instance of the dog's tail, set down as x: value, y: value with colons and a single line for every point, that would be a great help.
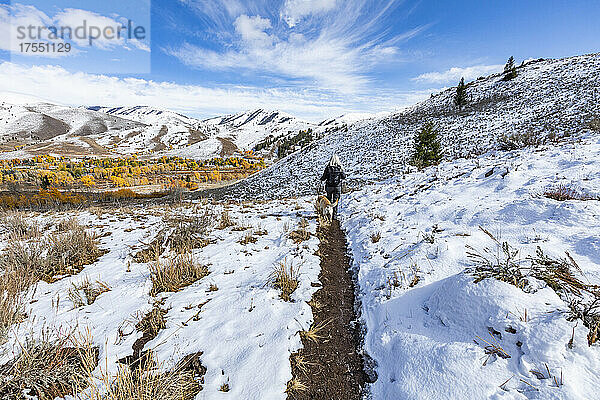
x: 335, y: 203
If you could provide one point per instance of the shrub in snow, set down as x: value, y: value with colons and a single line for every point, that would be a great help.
x: 516, y: 141
x: 564, y: 192
x: 285, y: 278
x: 562, y: 275
x: 175, y: 274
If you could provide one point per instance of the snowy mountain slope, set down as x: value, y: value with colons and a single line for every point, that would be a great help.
x: 61, y: 128
x: 45, y: 121
x: 248, y: 128
x: 148, y: 115
x: 551, y: 97
x: 140, y: 129
x: 426, y: 319
x: 350, y: 118
x: 196, y: 138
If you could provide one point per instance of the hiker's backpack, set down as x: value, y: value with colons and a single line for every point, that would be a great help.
x: 335, y: 176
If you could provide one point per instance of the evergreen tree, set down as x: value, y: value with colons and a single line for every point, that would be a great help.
x: 510, y: 71
x: 45, y: 182
x: 427, y: 149
x: 460, y: 98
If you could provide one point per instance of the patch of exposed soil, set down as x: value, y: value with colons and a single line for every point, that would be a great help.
x: 227, y: 147
x: 157, y: 140
x: 96, y: 148
x: 331, y: 367
x: 196, y: 136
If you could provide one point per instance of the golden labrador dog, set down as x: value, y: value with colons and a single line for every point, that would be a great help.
x: 325, y: 209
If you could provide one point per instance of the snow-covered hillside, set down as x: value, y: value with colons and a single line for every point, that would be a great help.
x: 47, y: 128
x: 548, y: 99
x: 249, y: 128
x: 426, y: 320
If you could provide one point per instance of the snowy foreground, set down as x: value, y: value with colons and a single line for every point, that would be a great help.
x: 422, y: 312
x: 244, y: 329
x: 427, y: 323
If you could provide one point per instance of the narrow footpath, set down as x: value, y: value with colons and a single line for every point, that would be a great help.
x: 330, y: 367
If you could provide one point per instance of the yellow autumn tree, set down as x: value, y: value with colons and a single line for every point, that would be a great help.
x: 88, y: 180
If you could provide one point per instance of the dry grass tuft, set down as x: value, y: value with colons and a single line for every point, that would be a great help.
x: 213, y: 288
x: 260, y: 232
x: 19, y: 228
x: 23, y: 264
x: 296, y: 385
x: 67, y: 225
x: 224, y: 387
x: 85, y: 292
x: 558, y: 273
x: 285, y: 278
x: 151, y: 251
x: 226, y: 220
x: 314, y: 334
x: 153, y: 321
x: 148, y: 382
x: 493, y: 349
x: 175, y: 274
x: 564, y: 192
x: 248, y: 238
x: 48, y: 368
x: 415, y: 270
x: 300, y: 234
x: 188, y: 232
x: 517, y: 141
x: 69, y: 252
x: 500, y: 262
x: 15, y: 281
x: 301, y: 363
x: 375, y: 237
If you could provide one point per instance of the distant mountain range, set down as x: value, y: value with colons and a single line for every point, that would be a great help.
x: 43, y: 128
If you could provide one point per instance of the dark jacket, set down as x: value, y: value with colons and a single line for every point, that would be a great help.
x: 333, y: 176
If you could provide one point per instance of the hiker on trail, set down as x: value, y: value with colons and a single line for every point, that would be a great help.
x: 333, y: 177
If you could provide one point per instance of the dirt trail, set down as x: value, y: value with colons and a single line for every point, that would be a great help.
x: 332, y: 368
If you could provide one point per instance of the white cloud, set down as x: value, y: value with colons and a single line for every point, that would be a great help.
x: 57, y: 85
x: 325, y: 62
x: 75, y: 19
x: 14, y: 21
x: 294, y: 10
x: 68, y: 25
x: 330, y: 46
x: 456, y: 73
x: 252, y: 29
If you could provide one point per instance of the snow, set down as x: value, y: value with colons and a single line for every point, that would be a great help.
x: 143, y: 129
x: 426, y: 334
x: 245, y: 331
x: 552, y: 96
x: 421, y: 337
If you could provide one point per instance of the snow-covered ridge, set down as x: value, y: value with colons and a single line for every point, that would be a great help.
x: 49, y: 128
x: 550, y: 97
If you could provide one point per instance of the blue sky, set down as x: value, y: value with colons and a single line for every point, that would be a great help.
x: 312, y: 58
